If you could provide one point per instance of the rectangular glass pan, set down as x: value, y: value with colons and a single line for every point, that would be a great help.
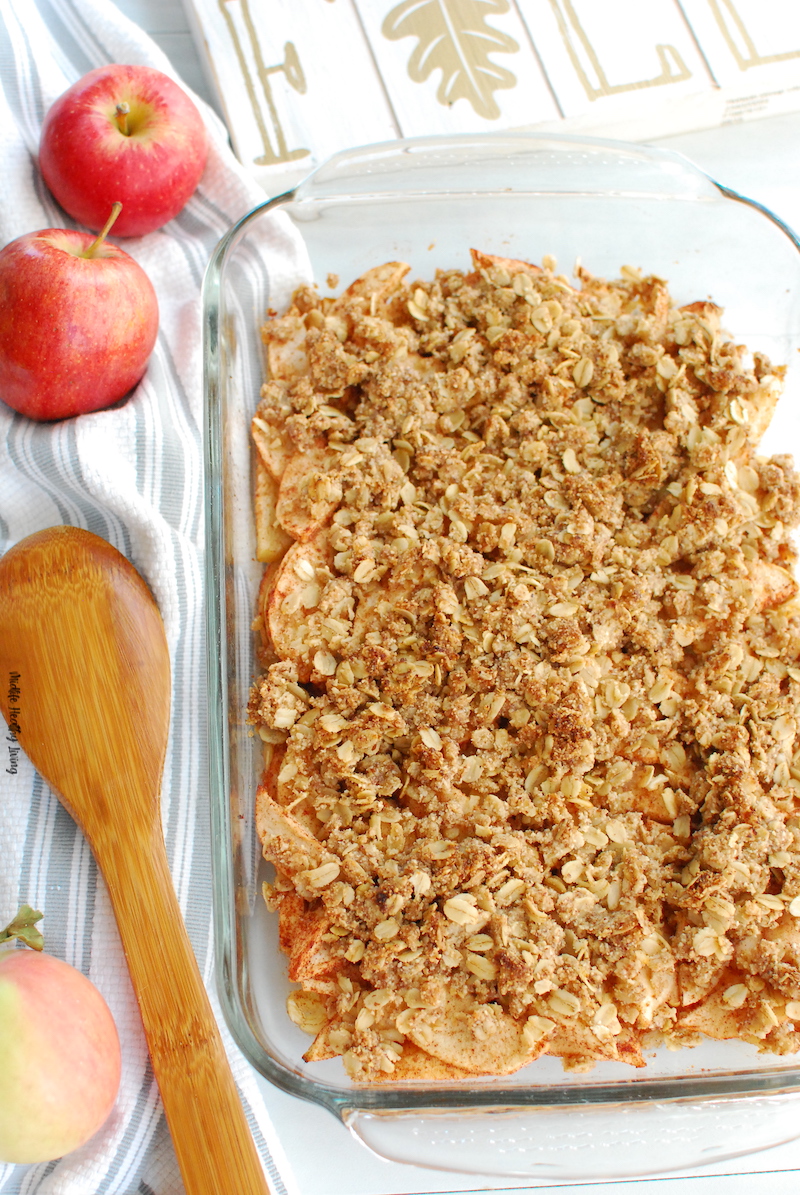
x: 428, y: 202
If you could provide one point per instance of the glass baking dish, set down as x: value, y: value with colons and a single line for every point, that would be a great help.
x: 427, y: 202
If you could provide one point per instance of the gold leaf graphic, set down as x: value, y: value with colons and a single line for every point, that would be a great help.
x: 453, y: 37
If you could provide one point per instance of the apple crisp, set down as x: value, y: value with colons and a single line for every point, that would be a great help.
x: 530, y: 689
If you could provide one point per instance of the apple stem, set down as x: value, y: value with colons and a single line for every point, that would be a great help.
x: 97, y: 242
x: 23, y: 928
x: 122, y: 118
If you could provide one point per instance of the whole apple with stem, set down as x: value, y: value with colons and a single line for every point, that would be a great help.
x: 78, y: 322
x: 60, y: 1059
x: 128, y: 133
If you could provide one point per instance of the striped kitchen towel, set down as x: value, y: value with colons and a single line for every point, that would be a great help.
x: 132, y: 474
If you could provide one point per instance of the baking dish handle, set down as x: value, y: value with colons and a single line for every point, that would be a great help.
x: 590, y: 1141
x: 503, y: 163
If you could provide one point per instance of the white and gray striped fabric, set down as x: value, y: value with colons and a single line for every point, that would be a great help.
x: 132, y: 474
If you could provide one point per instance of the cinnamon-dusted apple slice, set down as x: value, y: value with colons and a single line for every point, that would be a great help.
x: 302, y: 931
x: 579, y: 1041
x: 762, y: 408
x: 274, y: 448
x: 288, y: 844
x: 294, y: 850
x: 724, y: 1012
x: 771, y: 584
x: 303, y: 922
x: 279, y: 788
x: 512, y: 265
x: 752, y: 1022
x: 375, y: 284
x: 268, y: 579
x: 416, y: 1066
x: 310, y: 1012
x: 413, y: 1066
x: 274, y: 756
x: 449, y: 1034
x: 706, y: 310
x: 271, y: 539
x: 299, y: 759
x: 285, y: 338
x: 759, y: 408
x: 396, y: 586
x: 659, y: 803
x: 297, y: 589
x: 324, y: 1046
x: 308, y: 493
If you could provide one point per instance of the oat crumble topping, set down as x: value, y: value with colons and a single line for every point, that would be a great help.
x: 530, y: 691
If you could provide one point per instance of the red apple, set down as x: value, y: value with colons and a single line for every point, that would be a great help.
x: 59, y: 1057
x: 124, y: 133
x: 78, y: 321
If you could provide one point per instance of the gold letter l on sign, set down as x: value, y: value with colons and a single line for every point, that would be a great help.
x: 673, y: 68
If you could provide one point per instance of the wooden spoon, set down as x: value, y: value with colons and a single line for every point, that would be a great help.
x: 82, y: 641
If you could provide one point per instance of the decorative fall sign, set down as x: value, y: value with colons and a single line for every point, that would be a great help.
x: 302, y: 79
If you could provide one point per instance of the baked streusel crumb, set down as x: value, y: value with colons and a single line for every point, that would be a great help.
x: 530, y: 688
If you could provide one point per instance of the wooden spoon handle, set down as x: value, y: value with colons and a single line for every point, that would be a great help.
x: 215, y: 1150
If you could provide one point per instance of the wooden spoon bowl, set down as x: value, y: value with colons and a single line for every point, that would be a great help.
x: 82, y: 642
